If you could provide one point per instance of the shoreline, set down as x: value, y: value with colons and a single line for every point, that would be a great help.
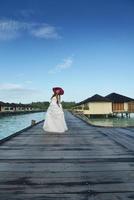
x: 8, y: 113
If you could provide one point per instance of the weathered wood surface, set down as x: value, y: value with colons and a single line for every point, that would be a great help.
x: 85, y: 163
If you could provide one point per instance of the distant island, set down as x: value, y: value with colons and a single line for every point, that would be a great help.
x: 6, y: 107
x: 44, y: 105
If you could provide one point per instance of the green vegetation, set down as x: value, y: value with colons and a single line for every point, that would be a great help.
x: 68, y: 105
x: 44, y: 105
x: 40, y: 105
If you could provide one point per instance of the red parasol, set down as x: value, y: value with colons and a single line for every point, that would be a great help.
x: 58, y: 90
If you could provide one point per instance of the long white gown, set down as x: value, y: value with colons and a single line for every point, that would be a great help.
x: 54, y: 119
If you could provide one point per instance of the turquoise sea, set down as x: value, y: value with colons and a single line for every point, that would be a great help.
x: 114, y: 122
x: 11, y: 124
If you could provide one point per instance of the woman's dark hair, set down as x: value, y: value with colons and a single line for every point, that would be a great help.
x: 53, y: 95
x: 58, y: 100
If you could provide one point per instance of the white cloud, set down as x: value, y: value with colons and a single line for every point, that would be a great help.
x: 46, y: 31
x: 11, y: 92
x: 67, y: 63
x: 12, y: 29
x: 10, y: 86
x: 15, y: 88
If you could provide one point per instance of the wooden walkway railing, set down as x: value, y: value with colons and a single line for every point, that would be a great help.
x: 85, y: 163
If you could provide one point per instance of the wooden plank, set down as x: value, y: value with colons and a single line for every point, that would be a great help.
x: 114, y: 196
x: 120, y: 138
x: 45, y: 167
x: 61, y: 155
x: 126, y: 131
x: 84, y: 163
x: 100, y: 177
x: 44, y: 189
x: 41, y: 196
x: 97, y: 177
x: 112, y: 187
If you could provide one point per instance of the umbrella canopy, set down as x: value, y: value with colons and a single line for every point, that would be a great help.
x: 58, y: 90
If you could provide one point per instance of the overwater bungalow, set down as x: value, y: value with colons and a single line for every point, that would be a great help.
x: 6, y: 107
x: 121, y: 104
x: 1, y: 106
x: 111, y: 104
x: 14, y: 107
x: 95, y: 105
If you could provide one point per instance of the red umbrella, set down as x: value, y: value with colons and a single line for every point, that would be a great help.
x: 59, y: 90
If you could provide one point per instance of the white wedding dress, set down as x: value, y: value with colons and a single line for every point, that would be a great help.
x: 54, y: 119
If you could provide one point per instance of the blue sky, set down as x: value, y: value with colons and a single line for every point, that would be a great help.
x: 84, y: 46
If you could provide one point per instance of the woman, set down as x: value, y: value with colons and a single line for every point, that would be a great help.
x: 54, y: 120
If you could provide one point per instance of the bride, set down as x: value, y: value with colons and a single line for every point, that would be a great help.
x: 54, y: 120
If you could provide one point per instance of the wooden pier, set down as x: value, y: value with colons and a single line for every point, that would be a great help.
x: 85, y: 163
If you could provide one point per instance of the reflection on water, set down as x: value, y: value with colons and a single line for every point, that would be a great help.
x: 115, y: 122
x: 12, y: 124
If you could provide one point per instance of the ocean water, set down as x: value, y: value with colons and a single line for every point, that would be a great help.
x: 114, y: 122
x: 11, y: 124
